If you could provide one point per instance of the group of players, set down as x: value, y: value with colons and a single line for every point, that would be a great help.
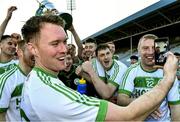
x: 31, y: 88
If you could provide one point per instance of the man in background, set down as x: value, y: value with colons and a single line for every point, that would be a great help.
x: 7, y: 44
x: 133, y: 59
x: 11, y: 84
x: 143, y: 77
x: 112, y: 49
x: 108, y: 72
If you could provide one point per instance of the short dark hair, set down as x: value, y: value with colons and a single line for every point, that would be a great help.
x: 176, y: 53
x: 71, y: 45
x: 134, y: 57
x: 69, y: 53
x: 90, y: 40
x: 32, y: 27
x: 4, y: 37
x: 101, y: 47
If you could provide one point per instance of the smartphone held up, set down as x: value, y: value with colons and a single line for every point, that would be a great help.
x: 161, y: 49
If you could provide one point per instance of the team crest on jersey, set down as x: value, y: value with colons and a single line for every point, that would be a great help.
x: 76, y: 81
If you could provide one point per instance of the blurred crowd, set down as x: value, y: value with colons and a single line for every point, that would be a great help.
x: 106, y: 76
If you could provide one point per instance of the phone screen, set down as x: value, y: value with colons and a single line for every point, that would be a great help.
x: 161, y: 48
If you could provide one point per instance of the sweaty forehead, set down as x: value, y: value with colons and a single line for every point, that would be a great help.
x: 110, y: 44
x: 9, y: 40
x: 53, y: 31
x: 103, y: 51
x: 6, y: 39
x: 89, y: 44
x: 147, y: 42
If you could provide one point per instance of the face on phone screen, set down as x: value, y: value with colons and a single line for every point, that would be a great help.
x: 161, y: 48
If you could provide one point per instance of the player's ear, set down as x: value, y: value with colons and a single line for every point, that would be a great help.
x: 32, y: 48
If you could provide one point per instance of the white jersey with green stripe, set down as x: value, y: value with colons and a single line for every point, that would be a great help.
x: 46, y: 98
x: 98, y: 68
x: 137, y: 81
x: 113, y: 75
x: 5, y: 66
x: 11, y: 83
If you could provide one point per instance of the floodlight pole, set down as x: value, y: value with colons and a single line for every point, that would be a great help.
x: 131, y: 45
x: 71, y: 6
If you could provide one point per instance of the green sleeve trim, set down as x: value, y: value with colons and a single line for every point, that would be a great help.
x: 102, y: 78
x: 38, y: 69
x: 115, y: 57
x: 174, y: 102
x: 23, y: 115
x: 2, y: 110
x: 102, y: 111
x: 113, y: 83
x: 122, y: 91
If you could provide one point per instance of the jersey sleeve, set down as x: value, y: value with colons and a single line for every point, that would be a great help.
x: 64, y: 104
x: 118, y: 72
x: 6, y: 88
x: 174, y: 95
x: 127, y: 84
x: 98, y: 68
